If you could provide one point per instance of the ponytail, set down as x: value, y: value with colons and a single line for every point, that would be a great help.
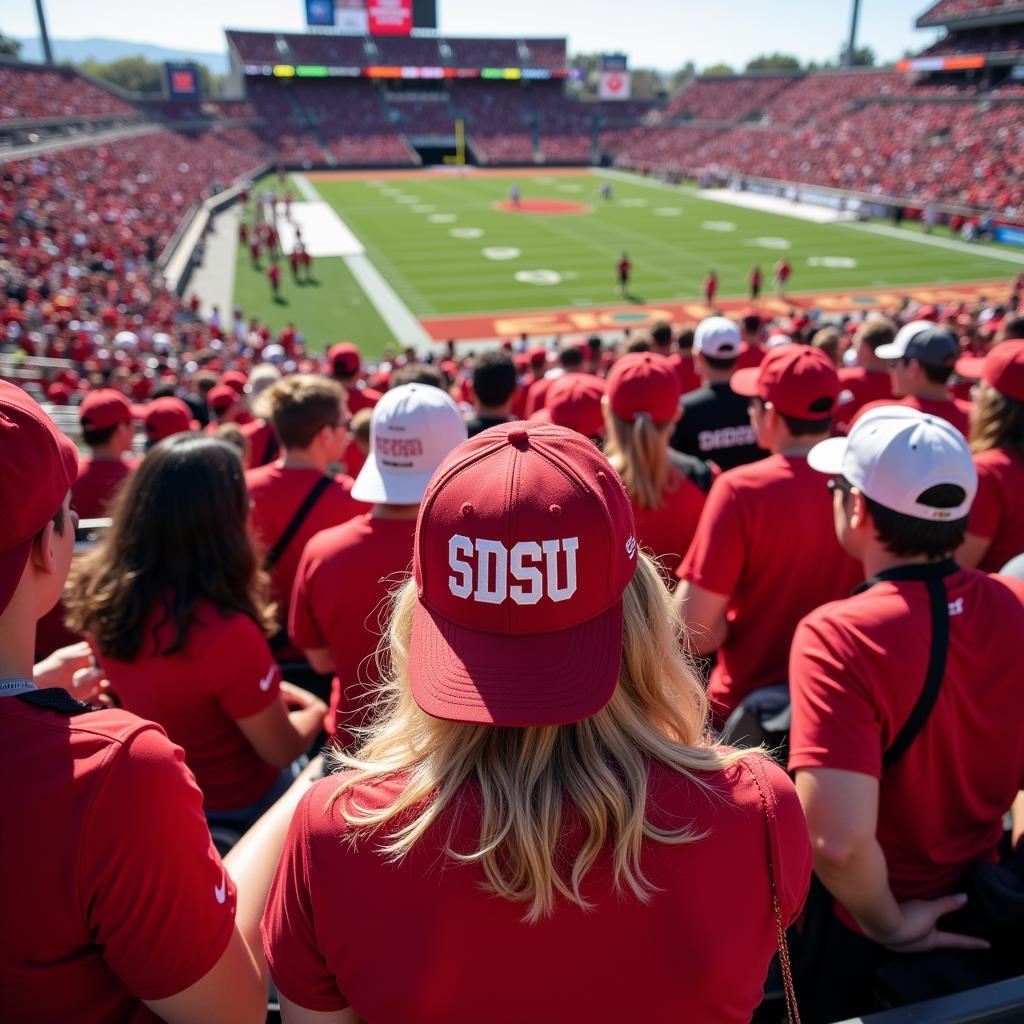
x: 638, y: 452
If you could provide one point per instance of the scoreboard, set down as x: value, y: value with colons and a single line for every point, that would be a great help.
x: 372, y: 17
x: 181, y: 81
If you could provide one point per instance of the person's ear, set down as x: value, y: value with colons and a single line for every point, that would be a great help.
x: 859, y: 515
x: 44, y: 554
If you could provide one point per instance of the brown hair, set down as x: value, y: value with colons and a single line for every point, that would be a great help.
x: 827, y: 339
x: 179, y: 535
x: 996, y: 422
x: 300, y: 406
x: 875, y: 331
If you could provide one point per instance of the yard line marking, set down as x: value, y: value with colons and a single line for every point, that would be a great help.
x: 941, y: 243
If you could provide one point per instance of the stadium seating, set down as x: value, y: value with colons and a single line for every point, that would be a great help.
x: 483, y: 53
x: 405, y: 50
x: 27, y: 91
x: 726, y: 99
x: 547, y: 53
x: 497, y: 115
x: 950, y: 10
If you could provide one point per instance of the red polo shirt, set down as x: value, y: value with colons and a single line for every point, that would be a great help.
x: 276, y: 495
x: 341, y: 915
x: 98, y: 480
x: 998, y: 510
x: 952, y: 410
x: 856, y: 672
x: 361, y: 398
x: 766, y: 539
x: 858, y: 387
x: 666, y: 532
x: 340, y: 602
x: 112, y: 891
x: 226, y: 672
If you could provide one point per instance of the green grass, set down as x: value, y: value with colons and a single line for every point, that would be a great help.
x: 437, y: 274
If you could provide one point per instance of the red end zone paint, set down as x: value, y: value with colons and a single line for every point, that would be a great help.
x: 545, y: 207
x: 481, y: 327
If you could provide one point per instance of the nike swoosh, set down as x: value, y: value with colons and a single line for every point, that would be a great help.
x: 221, y: 891
x: 267, y: 679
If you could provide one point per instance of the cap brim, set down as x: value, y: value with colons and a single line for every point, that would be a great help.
x: 745, y: 382
x: 971, y: 367
x: 557, y: 678
x: 12, y: 568
x: 890, y: 352
x: 827, y: 456
x: 373, y: 487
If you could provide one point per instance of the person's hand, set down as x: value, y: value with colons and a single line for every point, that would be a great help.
x: 296, y: 697
x: 74, y: 669
x: 919, y: 932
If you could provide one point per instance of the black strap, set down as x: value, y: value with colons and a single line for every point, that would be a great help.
x: 55, y: 699
x: 275, y: 553
x: 932, y: 575
x: 271, y: 450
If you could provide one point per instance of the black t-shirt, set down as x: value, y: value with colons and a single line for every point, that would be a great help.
x: 716, y: 426
x: 480, y: 423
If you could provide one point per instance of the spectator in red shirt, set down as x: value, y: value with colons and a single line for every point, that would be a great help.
x: 346, y: 363
x: 710, y: 289
x: 138, y: 917
x: 274, y: 277
x: 921, y: 360
x: 172, y: 603
x: 576, y: 401
x: 869, y: 380
x: 347, y: 572
x: 541, y: 768
x: 995, y: 533
x: 494, y: 390
x: 897, y: 710
x: 781, y: 273
x: 224, y: 404
x: 765, y: 553
x: 681, y: 359
x: 259, y: 432
x: 108, y: 427
x: 164, y: 417
x: 641, y: 408
x: 310, y: 419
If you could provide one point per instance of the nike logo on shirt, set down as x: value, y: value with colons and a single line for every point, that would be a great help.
x: 221, y: 891
x: 268, y: 678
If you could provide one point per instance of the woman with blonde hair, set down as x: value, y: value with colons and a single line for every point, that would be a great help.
x: 995, y: 532
x: 641, y: 409
x: 537, y: 826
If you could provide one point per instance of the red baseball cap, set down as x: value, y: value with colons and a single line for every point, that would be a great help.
x: 234, y: 379
x: 538, y: 355
x: 103, y: 409
x: 574, y: 401
x: 525, y: 544
x: 38, y: 465
x: 644, y: 382
x: 1002, y: 368
x: 798, y: 380
x: 221, y: 397
x: 345, y: 358
x: 166, y: 416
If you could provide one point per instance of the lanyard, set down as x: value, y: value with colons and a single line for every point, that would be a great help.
x: 12, y: 687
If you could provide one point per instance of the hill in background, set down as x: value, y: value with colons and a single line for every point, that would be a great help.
x: 106, y: 50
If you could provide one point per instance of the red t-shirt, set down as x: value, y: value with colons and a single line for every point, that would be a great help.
x: 858, y: 387
x: 112, y: 891
x: 97, y: 481
x: 998, y: 509
x: 226, y: 672
x: 536, y: 395
x: 766, y: 539
x: 263, y: 444
x: 339, y: 602
x: 666, y: 532
x: 276, y: 495
x: 340, y: 916
x: 952, y: 410
x: 689, y: 379
x: 361, y: 398
x: 856, y: 671
x: 752, y: 355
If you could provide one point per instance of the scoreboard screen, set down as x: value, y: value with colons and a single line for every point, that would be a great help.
x: 181, y: 81
x: 372, y: 17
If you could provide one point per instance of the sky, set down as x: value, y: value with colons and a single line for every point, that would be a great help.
x: 663, y: 34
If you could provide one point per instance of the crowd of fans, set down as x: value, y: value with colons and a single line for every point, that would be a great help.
x: 48, y: 92
x: 953, y: 9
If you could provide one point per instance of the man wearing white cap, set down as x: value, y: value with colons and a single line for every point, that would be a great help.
x: 339, y: 606
x: 921, y: 360
x: 906, y: 735
x: 715, y: 423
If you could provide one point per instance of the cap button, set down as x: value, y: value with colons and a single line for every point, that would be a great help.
x: 518, y: 436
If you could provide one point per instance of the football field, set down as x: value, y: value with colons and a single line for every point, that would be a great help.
x: 458, y: 257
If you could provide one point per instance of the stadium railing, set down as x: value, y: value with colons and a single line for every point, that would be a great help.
x: 1001, y: 1003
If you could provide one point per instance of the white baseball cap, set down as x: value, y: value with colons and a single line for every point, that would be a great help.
x: 413, y: 428
x: 894, y: 454
x: 921, y: 340
x: 718, y: 337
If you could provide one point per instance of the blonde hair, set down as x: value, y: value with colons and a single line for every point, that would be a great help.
x: 996, y: 422
x: 525, y: 777
x: 638, y: 452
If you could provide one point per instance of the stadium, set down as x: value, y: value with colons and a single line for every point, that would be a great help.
x: 593, y: 494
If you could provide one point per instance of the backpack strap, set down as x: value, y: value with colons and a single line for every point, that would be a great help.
x: 275, y: 553
x: 55, y: 699
x: 932, y: 575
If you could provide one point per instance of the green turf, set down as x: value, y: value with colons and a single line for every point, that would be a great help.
x: 435, y: 273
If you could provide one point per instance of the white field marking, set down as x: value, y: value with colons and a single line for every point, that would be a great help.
x: 667, y: 211
x: 404, y: 326
x: 989, y: 252
x: 633, y: 201
x: 390, y: 191
x: 408, y: 200
x: 570, y: 188
x: 540, y: 277
x: 501, y: 252
x: 545, y: 180
x: 324, y: 233
x: 442, y: 218
x: 466, y: 232
x: 570, y: 275
x: 718, y: 225
x: 424, y: 208
x: 832, y: 262
x: 769, y: 242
